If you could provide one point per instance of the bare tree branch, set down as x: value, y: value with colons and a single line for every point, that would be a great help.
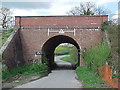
x: 87, y: 8
x: 6, y: 17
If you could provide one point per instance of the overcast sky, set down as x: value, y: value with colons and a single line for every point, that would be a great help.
x: 56, y: 7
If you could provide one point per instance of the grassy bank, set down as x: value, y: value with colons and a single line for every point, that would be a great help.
x: 5, y: 35
x: 62, y: 49
x: 112, y: 32
x: 67, y: 59
x: 89, y: 79
x: 113, y: 37
x: 24, y: 70
x: 93, y: 58
x: 22, y: 79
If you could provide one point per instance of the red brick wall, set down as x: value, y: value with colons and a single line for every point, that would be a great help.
x: 60, y: 20
x: 33, y: 39
x: 13, y: 54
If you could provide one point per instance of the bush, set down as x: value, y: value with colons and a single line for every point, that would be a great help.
x: 11, y: 29
x: 45, y: 60
x: 113, y: 31
x: 7, y: 36
x: 74, y: 55
x: 104, y: 24
x: 96, y: 56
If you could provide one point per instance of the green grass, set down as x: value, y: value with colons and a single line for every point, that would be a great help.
x: 73, y: 58
x: 67, y: 59
x: 113, y: 36
x: 62, y: 49
x: 0, y: 75
x: 5, y: 35
x: 96, y: 56
x: 88, y: 77
x: 61, y: 55
x: 24, y: 70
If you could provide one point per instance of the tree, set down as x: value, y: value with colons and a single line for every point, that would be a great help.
x: 6, y: 17
x: 101, y: 10
x: 87, y: 8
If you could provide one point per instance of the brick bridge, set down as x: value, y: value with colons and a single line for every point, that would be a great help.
x: 45, y: 33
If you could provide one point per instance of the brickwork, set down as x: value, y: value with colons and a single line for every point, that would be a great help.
x: 34, y: 32
x: 12, y: 54
x: 60, y: 20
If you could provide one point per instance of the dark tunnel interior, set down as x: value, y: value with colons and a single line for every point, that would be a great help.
x: 50, y: 45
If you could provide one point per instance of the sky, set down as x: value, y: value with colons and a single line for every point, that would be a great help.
x: 54, y: 7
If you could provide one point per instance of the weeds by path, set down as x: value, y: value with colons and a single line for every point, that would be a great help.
x: 89, y: 79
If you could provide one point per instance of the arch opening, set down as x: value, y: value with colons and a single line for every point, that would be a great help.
x: 65, y: 57
x: 50, y: 45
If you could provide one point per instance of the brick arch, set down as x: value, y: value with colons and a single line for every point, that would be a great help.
x: 50, y: 45
x: 36, y: 32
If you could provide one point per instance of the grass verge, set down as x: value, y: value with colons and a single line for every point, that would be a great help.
x: 60, y: 49
x: 61, y: 55
x: 19, y: 80
x: 89, y: 79
x: 67, y: 59
x: 5, y: 35
x: 24, y: 70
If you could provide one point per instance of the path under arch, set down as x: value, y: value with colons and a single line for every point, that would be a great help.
x: 49, y: 47
x: 56, y: 79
